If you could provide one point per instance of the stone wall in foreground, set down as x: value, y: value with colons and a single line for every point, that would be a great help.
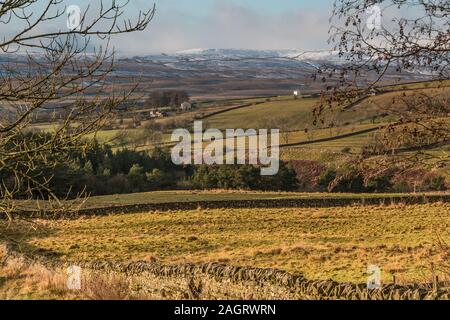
x: 218, y: 281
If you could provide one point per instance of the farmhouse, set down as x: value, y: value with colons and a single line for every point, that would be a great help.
x: 373, y: 92
x: 297, y: 94
x: 186, y: 106
x: 156, y: 114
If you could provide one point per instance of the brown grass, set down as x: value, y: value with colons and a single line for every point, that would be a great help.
x: 322, y: 243
x: 106, y: 287
x: 22, y: 281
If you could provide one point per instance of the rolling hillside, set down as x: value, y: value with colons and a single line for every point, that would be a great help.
x: 353, y: 128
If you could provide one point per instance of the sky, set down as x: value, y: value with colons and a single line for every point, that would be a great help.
x: 242, y: 24
x: 218, y: 24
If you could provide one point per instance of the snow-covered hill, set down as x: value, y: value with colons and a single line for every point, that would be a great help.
x: 289, y: 54
x: 241, y: 63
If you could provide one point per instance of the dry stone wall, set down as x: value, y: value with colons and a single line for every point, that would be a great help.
x: 218, y: 281
x: 258, y: 203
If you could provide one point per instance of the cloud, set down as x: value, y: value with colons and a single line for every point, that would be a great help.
x: 229, y: 25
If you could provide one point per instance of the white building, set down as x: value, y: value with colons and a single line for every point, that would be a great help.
x: 373, y: 92
x: 156, y: 114
x: 185, y: 106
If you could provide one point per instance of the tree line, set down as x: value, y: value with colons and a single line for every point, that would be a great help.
x: 97, y: 170
x: 169, y: 98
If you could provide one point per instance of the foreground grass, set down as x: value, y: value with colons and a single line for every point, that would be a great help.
x: 326, y: 243
x: 23, y: 281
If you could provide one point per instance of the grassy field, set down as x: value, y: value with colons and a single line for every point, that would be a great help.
x: 355, y: 143
x: 104, y: 136
x: 222, y: 195
x: 292, y: 114
x: 326, y: 243
x: 295, y: 114
x: 385, y: 103
x: 184, y: 196
x: 287, y: 114
x: 419, y: 85
x: 158, y: 197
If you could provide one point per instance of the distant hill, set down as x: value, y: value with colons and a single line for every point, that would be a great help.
x: 256, y: 64
x: 224, y: 73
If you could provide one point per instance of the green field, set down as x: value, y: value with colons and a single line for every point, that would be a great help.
x: 167, y: 197
x: 226, y: 195
x: 419, y: 85
x: 291, y: 114
x: 259, y: 116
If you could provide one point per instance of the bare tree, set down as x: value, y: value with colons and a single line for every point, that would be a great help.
x: 61, y: 71
x: 411, y: 36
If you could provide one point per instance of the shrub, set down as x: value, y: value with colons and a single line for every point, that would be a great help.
x: 414, y: 180
x: 346, y: 150
x: 308, y: 174
x: 137, y: 178
x: 350, y: 182
x: 401, y: 186
x: 379, y: 183
x: 325, y: 178
x: 158, y: 179
x: 118, y: 184
x: 245, y: 177
x: 433, y: 182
